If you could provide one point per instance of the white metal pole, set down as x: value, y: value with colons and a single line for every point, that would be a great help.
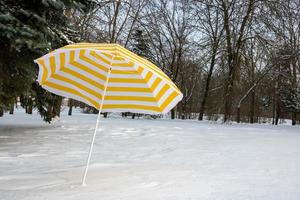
x: 95, y: 132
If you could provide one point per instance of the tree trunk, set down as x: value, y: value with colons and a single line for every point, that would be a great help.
x: 238, y: 115
x: 56, y: 106
x: 173, y: 114
x: 114, y: 23
x: 276, y: 118
x: 11, y: 110
x: 273, y: 111
x: 277, y: 112
x: 233, y: 52
x: 252, y: 106
x: 29, y: 106
x: 228, y: 100
x: 182, y: 116
x: 133, y: 115
x: 105, y: 115
x: 294, y: 119
x: 70, y: 107
x: 1, y: 112
x: 211, y: 68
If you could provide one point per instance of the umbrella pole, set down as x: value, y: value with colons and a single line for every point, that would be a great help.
x: 95, y: 131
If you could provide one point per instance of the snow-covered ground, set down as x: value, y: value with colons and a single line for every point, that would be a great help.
x: 146, y: 159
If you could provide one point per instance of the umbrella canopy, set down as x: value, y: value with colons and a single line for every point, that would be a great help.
x: 85, y: 71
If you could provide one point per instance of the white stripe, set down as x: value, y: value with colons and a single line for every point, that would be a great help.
x: 165, y: 96
x: 172, y: 104
x: 144, y: 72
x: 152, y: 79
x: 158, y: 88
x: 67, y: 58
x: 57, y: 62
x: 47, y: 65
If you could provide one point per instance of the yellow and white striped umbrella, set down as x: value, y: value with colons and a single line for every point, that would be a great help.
x: 109, y: 77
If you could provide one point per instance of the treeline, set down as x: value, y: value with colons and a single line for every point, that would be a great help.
x: 233, y: 60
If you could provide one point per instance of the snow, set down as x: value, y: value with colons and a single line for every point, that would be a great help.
x: 146, y: 159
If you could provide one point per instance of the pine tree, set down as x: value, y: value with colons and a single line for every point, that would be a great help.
x: 291, y: 99
x: 140, y: 44
x: 29, y: 29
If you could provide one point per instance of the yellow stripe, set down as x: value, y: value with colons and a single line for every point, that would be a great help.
x: 130, y: 64
x: 126, y: 80
x: 52, y: 64
x: 62, y: 57
x: 168, y: 100
x: 148, y: 76
x: 107, y: 55
x: 78, y: 85
x: 130, y: 98
x: 155, y: 84
x: 128, y: 89
x: 162, y: 92
x: 71, y: 91
x: 128, y: 106
x: 140, y: 70
x: 45, y: 70
x: 115, y: 71
x: 119, y: 58
x: 82, y: 77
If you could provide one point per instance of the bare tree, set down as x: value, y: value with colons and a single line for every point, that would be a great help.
x: 209, y: 22
x: 169, y: 27
x: 237, y: 18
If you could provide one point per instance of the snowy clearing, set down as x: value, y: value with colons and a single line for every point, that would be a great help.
x: 147, y: 160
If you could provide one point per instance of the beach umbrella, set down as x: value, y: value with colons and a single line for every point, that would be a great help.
x: 108, y: 77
